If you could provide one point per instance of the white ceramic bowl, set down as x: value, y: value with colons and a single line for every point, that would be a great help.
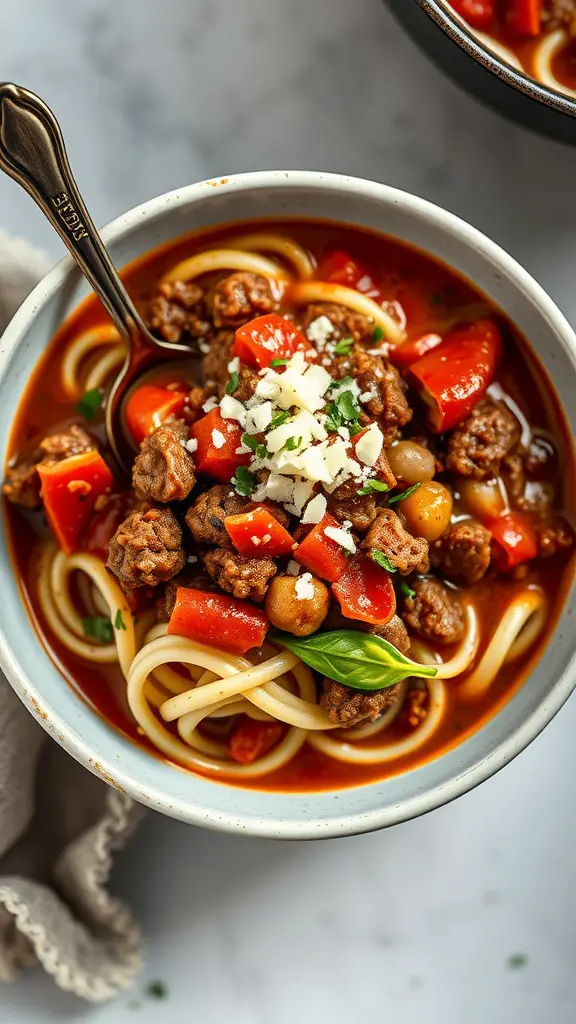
x: 90, y: 739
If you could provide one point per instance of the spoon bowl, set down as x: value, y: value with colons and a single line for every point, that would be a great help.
x: 32, y: 151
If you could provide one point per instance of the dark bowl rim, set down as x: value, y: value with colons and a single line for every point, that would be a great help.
x: 440, y: 13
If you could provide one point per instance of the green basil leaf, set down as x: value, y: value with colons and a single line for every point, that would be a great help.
x: 382, y: 560
x: 407, y: 591
x: 243, y: 481
x: 90, y: 403
x: 278, y: 362
x: 342, y: 348
x: 404, y: 494
x: 377, y: 334
x: 119, y: 621
x: 98, y: 628
x: 362, y: 661
x: 374, y: 485
x: 232, y: 383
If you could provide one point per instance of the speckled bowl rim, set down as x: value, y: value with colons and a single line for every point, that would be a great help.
x: 440, y: 13
x: 321, y: 822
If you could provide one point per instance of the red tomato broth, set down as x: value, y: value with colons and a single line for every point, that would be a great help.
x: 394, y: 267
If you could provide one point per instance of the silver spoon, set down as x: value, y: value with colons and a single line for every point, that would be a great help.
x: 32, y: 152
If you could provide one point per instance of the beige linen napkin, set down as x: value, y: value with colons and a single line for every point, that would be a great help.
x: 59, y: 826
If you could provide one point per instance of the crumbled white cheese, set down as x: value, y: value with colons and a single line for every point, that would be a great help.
x: 369, y: 446
x: 320, y: 330
x: 191, y: 445
x: 266, y: 538
x: 278, y: 488
x: 341, y: 536
x: 218, y: 439
x: 315, y: 510
x: 336, y: 457
x: 268, y: 387
x: 255, y: 540
x: 259, y: 418
x: 234, y: 365
x: 210, y: 404
x: 232, y: 409
x: 156, y: 420
x: 302, y: 492
x: 293, y: 568
x: 320, y: 376
x: 304, y: 588
x: 192, y: 558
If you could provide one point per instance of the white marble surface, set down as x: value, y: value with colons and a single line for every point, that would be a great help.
x: 417, y: 924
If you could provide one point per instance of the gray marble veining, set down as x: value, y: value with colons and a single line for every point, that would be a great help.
x: 416, y: 924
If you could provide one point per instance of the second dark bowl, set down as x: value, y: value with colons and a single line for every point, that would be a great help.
x: 512, y: 93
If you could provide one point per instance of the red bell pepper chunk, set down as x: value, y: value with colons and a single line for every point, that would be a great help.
x: 69, y: 490
x: 478, y: 13
x: 217, y: 460
x: 266, y: 338
x: 320, y: 554
x: 365, y: 592
x: 250, y: 739
x: 220, y: 621
x: 523, y: 16
x: 513, y: 541
x: 103, y: 525
x: 410, y: 351
x: 148, y: 407
x: 453, y: 377
x: 258, y: 533
x: 340, y: 268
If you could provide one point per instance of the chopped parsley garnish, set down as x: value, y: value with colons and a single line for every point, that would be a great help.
x: 279, y: 419
x: 243, y: 482
x: 90, y: 403
x: 119, y: 621
x: 343, y: 411
x: 517, y: 960
x: 341, y: 383
x: 278, y: 362
x: 232, y: 383
x: 377, y: 334
x: 98, y: 628
x: 254, y: 444
x: 374, y: 485
x: 156, y: 990
x: 293, y: 443
x: 382, y: 560
x: 404, y: 494
x: 342, y: 348
x: 407, y: 591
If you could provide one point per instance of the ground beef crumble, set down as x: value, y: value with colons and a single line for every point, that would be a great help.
x: 435, y: 611
x: 163, y: 470
x: 477, y: 446
x: 406, y: 553
x: 239, y: 575
x: 147, y: 548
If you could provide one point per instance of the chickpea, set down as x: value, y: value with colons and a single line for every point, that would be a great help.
x: 482, y: 498
x: 428, y: 510
x: 411, y: 463
x: 292, y: 613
